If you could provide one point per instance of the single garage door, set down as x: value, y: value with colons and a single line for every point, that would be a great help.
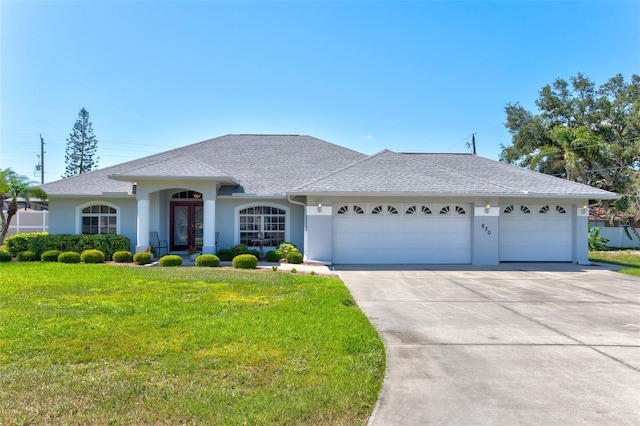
x: 402, y: 233
x: 531, y: 233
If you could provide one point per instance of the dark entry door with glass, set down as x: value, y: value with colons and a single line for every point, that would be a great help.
x: 186, y: 225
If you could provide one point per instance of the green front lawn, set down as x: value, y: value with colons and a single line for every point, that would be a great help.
x: 623, y: 258
x: 102, y: 344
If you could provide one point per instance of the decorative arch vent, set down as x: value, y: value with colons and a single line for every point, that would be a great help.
x: 377, y: 210
x: 508, y: 209
x: 525, y: 209
x: 343, y: 210
x: 561, y: 210
x: 460, y: 210
x: 445, y: 210
x: 544, y: 209
x: 426, y: 210
x: 392, y: 210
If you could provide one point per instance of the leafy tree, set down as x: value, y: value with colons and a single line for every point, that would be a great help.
x: 14, y: 186
x: 81, y: 147
x: 584, y: 134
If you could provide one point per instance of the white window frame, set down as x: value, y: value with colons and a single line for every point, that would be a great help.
x: 80, y: 215
x: 236, y: 219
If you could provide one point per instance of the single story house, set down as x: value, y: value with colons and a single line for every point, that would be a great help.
x: 337, y: 205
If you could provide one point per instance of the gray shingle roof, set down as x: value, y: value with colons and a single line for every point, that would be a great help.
x: 278, y: 164
x: 261, y: 164
x: 441, y: 174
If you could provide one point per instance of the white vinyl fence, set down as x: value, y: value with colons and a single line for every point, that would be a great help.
x: 618, y: 238
x: 29, y: 221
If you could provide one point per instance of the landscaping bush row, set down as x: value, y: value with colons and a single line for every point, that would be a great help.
x: 287, y: 251
x: 40, y: 242
x: 241, y: 261
x: 230, y: 253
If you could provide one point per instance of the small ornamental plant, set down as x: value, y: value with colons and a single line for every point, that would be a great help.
x: 122, y: 256
x: 151, y: 249
x: 50, y: 256
x: 26, y: 256
x: 294, y: 257
x: 192, y: 250
x: 92, y: 256
x: 245, y: 261
x: 225, y: 254
x: 69, y: 257
x: 170, y: 260
x: 273, y: 256
x: 142, y: 258
x: 208, y: 260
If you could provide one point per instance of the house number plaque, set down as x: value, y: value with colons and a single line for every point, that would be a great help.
x: 486, y: 229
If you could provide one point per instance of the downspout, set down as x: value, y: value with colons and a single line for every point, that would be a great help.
x: 304, y: 206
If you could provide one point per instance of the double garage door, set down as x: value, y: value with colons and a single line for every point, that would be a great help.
x: 402, y: 233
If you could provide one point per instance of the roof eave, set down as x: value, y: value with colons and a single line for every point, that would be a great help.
x: 609, y: 196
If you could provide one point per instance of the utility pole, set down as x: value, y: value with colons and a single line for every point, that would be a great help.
x: 41, y: 159
x: 473, y: 142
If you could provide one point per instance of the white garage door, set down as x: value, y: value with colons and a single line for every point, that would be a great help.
x: 402, y: 233
x: 531, y: 233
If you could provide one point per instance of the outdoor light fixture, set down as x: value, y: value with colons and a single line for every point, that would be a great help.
x: 319, y: 207
x: 584, y: 209
x: 487, y: 208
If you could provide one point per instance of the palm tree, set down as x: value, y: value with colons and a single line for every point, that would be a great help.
x: 571, y: 152
x: 14, y: 186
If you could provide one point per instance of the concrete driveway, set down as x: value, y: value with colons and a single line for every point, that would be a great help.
x: 514, y: 344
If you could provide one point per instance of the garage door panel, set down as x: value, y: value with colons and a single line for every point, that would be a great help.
x: 402, y: 239
x: 535, y: 237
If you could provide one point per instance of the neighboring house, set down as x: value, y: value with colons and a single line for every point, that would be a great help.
x: 336, y: 204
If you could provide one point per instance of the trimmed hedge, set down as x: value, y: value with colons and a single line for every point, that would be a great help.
x: 209, y: 260
x: 294, y: 257
x: 171, y: 260
x: 50, y: 256
x: 245, y: 261
x: 143, y: 258
x: 69, y: 257
x: 21, y: 242
x: 123, y: 256
x: 26, y: 256
x: 92, y: 256
x: 106, y: 243
x: 5, y: 256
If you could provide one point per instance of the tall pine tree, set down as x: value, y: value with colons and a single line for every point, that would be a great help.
x: 81, y: 147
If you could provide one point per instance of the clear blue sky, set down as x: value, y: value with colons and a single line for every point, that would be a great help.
x: 408, y: 76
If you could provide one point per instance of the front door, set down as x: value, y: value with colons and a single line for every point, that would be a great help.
x: 186, y: 225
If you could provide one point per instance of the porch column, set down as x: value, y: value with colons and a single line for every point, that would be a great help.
x: 209, y: 226
x: 143, y: 224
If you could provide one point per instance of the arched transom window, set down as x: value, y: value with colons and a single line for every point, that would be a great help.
x: 99, y: 219
x: 262, y: 225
